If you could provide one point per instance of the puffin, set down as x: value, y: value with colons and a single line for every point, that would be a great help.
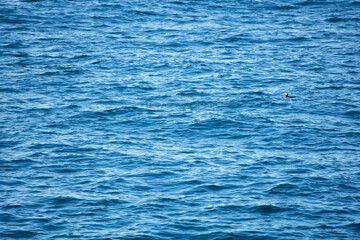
x: 287, y: 95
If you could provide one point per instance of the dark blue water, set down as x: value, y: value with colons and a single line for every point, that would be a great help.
x: 166, y: 119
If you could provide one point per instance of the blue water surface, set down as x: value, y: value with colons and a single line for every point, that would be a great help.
x: 166, y: 119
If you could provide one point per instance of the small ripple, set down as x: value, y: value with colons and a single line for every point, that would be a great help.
x: 191, y: 93
x: 284, y: 7
x: 251, y: 235
x: 309, y: 3
x: 105, y: 202
x: 178, y: 2
x: 19, y: 234
x: 337, y: 19
x: 352, y: 114
x: 268, y: 209
x: 6, y: 144
x: 58, y: 202
x: 61, y: 72
x: 7, y: 217
x: 13, y: 183
x: 210, y: 124
x: 284, y: 187
x: 334, y: 19
x: 139, y: 236
x: 354, y: 226
x: 9, y: 90
x: 11, y: 206
x: 39, y: 146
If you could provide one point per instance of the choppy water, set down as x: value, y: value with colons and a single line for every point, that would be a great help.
x: 165, y: 119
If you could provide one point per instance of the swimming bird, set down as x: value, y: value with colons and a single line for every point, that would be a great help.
x: 287, y: 95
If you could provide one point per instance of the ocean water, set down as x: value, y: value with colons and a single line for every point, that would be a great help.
x: 166, y: 119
